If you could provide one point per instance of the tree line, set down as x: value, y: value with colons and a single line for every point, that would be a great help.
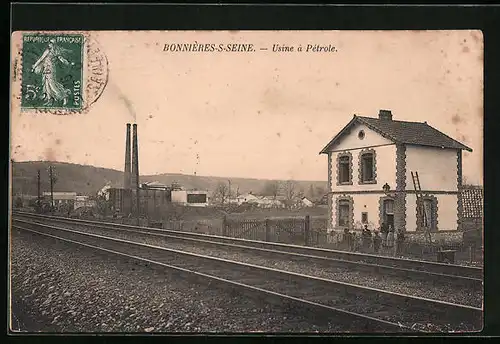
x: 289, y: 190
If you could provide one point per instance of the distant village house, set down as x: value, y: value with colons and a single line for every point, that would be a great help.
x: 61, y: 198
x: 306, y: 202
x: 84, y: 202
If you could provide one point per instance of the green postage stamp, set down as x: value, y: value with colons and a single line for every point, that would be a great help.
x: 57, y: 72
x: 52, y: 71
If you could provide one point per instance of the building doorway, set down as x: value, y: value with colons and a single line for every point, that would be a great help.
x: 389, y: 212
x: 343, y: 213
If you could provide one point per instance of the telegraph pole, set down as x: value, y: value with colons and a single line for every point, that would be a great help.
x: 39, y: 201
x: 51, y: 189
x: 229, y: 194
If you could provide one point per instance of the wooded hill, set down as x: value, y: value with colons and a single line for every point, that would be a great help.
x: 87, y: 180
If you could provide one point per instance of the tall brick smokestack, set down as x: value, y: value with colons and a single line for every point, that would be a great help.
x: 127, y: 174
x: 135, y: 167
x: 135, y: 158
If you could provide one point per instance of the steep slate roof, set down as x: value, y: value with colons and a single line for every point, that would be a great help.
x: 472, y: 201
x: 412, y: 133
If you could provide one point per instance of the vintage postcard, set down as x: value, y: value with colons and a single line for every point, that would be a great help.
x: 246, y: 181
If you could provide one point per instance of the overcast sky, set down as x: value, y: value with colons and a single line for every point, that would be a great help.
x: 262, y: 114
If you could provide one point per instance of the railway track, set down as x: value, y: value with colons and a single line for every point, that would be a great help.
x: 418, y: 283
x: 461, y: 276
x: 378, y: 310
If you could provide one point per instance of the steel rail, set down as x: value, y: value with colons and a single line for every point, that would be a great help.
x: 465, y: 272
x: 440, y: 309
x: 249, y: 290
x: 463, y: 282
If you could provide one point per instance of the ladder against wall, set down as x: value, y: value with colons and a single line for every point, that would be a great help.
x: 423, y: 223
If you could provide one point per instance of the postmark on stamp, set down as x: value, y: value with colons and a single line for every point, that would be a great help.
x: 61, y: 72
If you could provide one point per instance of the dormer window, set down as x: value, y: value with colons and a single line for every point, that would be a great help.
x: 344, y: 169
x: 367, y: 167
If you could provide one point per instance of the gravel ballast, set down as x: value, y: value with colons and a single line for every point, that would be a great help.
x: 438, y: 291
x: 62, y: 287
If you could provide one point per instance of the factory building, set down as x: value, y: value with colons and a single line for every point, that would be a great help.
x: 120, y: 200
x: 146, y: 198
x: 193, y: 198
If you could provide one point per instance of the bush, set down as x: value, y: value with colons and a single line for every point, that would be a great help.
x: 18, y: 203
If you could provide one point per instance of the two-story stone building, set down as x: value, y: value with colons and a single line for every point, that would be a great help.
x: 370, y: 153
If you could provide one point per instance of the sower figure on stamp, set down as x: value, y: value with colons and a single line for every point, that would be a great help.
x: 52, y: 90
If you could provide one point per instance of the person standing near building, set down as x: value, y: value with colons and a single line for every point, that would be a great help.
x: 399, y: 242
x: 390, y: 238
x: 352, y: 241
x: 367, y: 239
x: 364, y: 239
x: 358, y: 243
x: 376, y: 242
x: 346, y: 240
x: 384, y: 230
x: 395, y: 249
x: 369, y: 235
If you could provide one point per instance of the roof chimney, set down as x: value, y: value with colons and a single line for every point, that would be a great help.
x: 385, y: 115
